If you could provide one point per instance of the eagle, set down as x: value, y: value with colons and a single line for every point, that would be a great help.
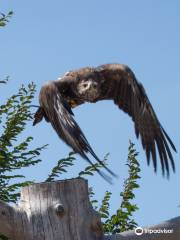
x: 115, y: 82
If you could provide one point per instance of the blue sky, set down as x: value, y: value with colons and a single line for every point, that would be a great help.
x: 45, y: 39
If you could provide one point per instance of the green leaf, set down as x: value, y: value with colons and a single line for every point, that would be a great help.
x: 91, y: 170
x: 123, y: 220
x: 15, y: 152
x: 61, y: 167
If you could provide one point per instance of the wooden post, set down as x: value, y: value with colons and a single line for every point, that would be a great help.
x: 61, y: 211
x: 52, y: 211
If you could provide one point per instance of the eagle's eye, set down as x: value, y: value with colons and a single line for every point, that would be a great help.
x: 85, y: 85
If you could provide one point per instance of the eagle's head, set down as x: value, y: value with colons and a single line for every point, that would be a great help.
x: 88, y: 88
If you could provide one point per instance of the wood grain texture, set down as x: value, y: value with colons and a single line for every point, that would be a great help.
x: 6, y: 224
x: 52, y: 211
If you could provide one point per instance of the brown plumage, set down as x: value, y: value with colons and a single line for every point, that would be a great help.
x: 111, y: 82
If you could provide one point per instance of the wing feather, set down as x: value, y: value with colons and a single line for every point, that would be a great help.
x: 130, y: 96
x: 60, y: 116
x: 120, y: 85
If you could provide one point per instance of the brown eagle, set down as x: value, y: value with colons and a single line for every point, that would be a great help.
x: 114, y: 82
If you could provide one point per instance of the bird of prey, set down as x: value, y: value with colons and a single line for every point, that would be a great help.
x: 115, y: 82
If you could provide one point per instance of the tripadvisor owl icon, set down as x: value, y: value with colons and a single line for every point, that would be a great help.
x: 139, y: 231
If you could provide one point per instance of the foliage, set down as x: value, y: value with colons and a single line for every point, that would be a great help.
x: 93, y: 201
x: 64, y: 163
x: 90, y: 170
x: 4, y: 18
x: 14, y: 152
x: 61, y: 167
x: 123, y: 220
x: 104, y: 209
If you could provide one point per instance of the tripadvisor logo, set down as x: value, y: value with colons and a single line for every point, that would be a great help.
x: 139, y: 231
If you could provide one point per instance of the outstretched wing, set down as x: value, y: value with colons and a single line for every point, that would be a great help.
x: 58, y: 112
x: 120, y: 84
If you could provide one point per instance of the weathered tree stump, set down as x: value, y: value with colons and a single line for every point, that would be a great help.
x: 52, y: 211
x: 62, y: 211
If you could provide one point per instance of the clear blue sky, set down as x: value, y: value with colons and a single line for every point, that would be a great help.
x: 44, y: 39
